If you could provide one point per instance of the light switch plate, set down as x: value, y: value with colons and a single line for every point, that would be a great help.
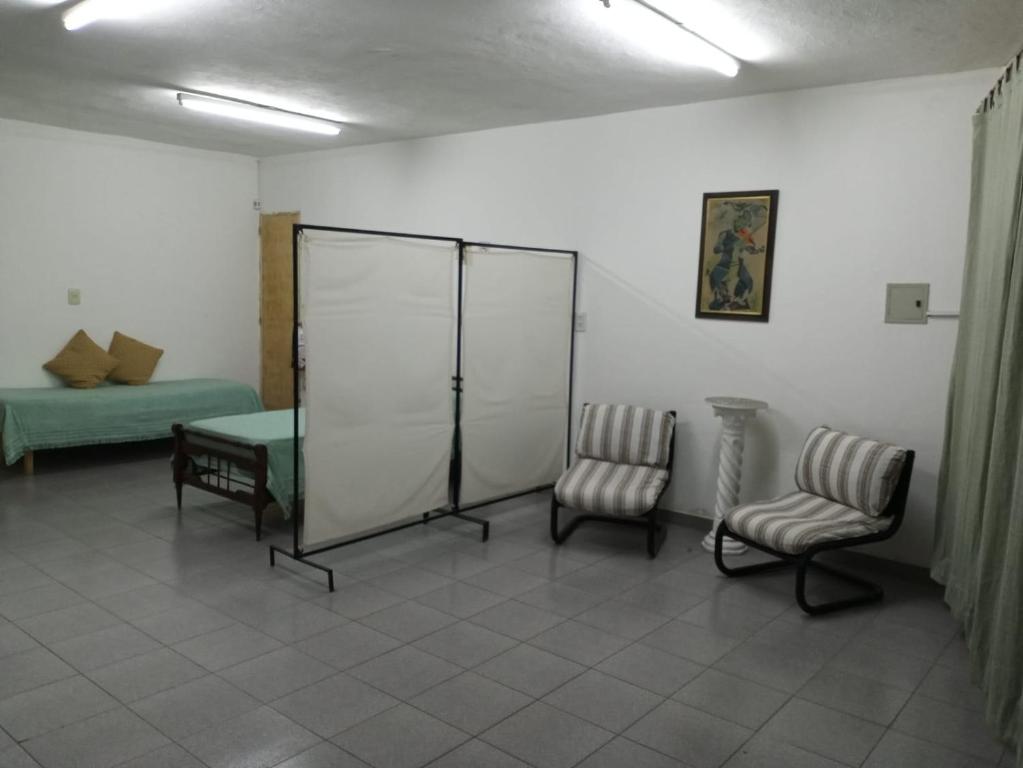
x: 580, y: 322
x: 907, y: 302
x: 74, y: 296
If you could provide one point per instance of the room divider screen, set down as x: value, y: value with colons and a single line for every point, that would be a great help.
x: 517, y: 347
x: 437, y: 379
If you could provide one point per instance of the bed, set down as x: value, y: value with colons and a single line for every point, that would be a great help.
x: 61, y: 417
x: 247, y: 458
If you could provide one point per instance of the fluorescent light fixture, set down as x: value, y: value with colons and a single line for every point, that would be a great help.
x: 86, y: 12
x: 257, y: 113
x: 666, y: 36
x: 711, y: 20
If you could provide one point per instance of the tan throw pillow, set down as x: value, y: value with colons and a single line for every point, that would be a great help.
x: 82, y: 363
x: 136, y: 361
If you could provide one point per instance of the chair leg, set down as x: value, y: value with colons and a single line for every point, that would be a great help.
x: 655, y: 534
x: 745, y: 570
x: 554, y: 521
x: 871, y: 592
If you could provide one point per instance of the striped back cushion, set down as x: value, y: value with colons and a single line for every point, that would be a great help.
x: 851, y: 470
x: 625, y: 434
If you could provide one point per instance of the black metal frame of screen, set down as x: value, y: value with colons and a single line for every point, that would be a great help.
x: 455, y: 509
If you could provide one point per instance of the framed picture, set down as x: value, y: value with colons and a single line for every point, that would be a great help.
x: 736, y: 254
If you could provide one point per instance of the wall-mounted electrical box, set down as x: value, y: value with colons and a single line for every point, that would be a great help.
x: 74, y: 296
x: 580, y: 322
x: 907, y: 302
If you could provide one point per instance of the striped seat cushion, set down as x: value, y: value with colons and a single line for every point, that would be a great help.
x: 797, y: 521
x: 851, y: 470
x: 625, y: 434
x: 606, y: 488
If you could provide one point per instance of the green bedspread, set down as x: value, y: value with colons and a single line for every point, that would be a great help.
x: 59, y: 417
x: 275, y: 430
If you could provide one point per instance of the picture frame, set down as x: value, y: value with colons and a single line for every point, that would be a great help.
x: 736, y: 255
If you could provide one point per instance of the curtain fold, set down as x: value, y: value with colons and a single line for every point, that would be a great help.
x: 979, y: 536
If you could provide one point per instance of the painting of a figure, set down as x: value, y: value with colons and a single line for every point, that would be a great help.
x: 736, y: 252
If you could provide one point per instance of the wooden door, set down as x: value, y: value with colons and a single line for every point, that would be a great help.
x: 275, y: 309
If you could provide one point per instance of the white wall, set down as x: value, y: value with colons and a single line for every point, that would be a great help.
x: 162, y: 241
x: 874, y: 183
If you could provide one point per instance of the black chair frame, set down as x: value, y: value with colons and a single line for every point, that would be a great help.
x: 870, y: 592
x: 655, y: 530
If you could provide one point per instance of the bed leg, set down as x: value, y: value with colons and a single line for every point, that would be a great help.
x: 29, y: 463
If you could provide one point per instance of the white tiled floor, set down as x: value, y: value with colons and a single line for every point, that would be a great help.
x: 133, y: 636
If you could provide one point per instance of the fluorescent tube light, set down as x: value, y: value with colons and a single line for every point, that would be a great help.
x: 666, y: 36
x: 257, y: 113
x: 88, y: 11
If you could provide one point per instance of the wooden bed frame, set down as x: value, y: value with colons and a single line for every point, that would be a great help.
x: 212, y: 464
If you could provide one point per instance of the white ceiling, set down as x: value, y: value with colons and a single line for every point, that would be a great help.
x: 408, y: 68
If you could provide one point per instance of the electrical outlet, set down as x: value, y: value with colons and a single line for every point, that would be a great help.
x: 74, y: 296
x: 580, y: 322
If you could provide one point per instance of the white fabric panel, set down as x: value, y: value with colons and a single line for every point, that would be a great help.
x: 379, y: 322
x: 517, y: 341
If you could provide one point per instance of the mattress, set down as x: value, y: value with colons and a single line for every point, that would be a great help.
x: 275, y: 430
x: 61, y: 417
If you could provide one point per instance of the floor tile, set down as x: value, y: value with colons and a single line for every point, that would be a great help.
x: 470, y: 702
x: 859, y: 696
x: 405, y: 672
x: 13, y: 639
x: 38, y: 711
x: 358, y: 600
x: 297, y: 622
x: 170, y: 756
x: 530, y: 670
x: 410, y: 581
x: 561, y: 599
x: 761, y: 752
x: 141, y: 676
x: 506, y: 580
x: 183, y: 623
x: 408, y: 621
x: 22, y: 578
x: 787, y: 669
x: 465, y: 644
x: 477, y: 754
x: 732, y: 698
x: 277, y: 673
x: 103, y: 740
x: 622, y: 618
x: 226, y: 647
x: 548, y: 564
x: 455, y: 565
x: 701, y: 645
x: 194, y: 706
x: 334, y: 705
x: 823, y: 731
x: 882, y: 665
x: 258, y: 739
x: 579, y: 642
x: 622, y: 753
x: 348, y: 646
x: 958, y: 729
x: 547, y: 737
x: 650, y: 668
x: 323, y: 755
x: 952, y: 686
x: 460, y: 599
x: 689, y: 735
x: 34, y: 602
x: 725, y: 618
x: 30, y: 669
x: 602, y: 581
x: 98, y: 649
x: 401, y: 737
x: 603, y: 700
x: 516, y: 619
x: 70, y: 622
x: 899, y: 750
x: 143, y: 602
